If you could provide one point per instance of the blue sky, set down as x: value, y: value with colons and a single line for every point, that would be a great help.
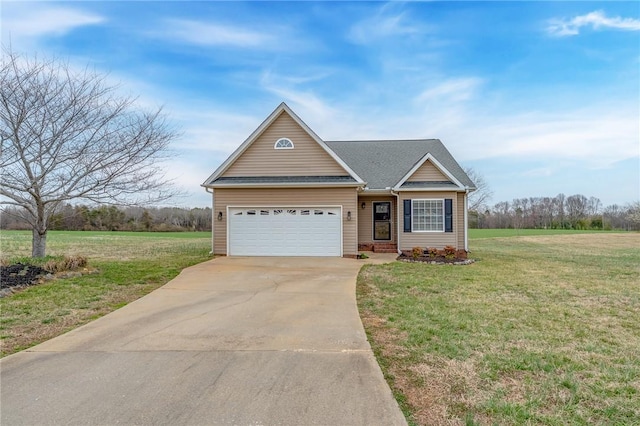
x: 539, y: 97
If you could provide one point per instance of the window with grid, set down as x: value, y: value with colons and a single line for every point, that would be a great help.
x: 428, y: 215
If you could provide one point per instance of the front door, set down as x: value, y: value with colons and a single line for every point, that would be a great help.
x: 382, y: 221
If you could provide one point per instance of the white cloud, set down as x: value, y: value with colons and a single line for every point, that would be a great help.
x: 538, y: 172
x: 596, y: 19
x: 594, y: 136
x: 35, y: 20
x: 383, y: 24
x: 451, y: 90
x: 215, y: 34
x: 304, y: 103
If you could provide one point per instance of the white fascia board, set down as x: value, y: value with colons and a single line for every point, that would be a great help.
x: 440, y: 167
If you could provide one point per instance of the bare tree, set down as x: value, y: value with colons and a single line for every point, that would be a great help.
x: 482, y: 194
x: 633, y: 215
x: 576, y: 206
x: 67, y: 135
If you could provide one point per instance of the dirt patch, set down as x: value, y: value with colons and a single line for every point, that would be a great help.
x: 438, y: 391
x: 449, y: 390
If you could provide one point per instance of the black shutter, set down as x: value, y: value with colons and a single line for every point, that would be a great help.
x: 407, y: 215
x: 448, y: 215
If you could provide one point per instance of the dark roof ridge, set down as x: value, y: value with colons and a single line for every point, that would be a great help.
x: 387, y: 140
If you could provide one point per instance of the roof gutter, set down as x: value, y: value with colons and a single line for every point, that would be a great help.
x: 429, y: 189
x: 284, y: 185
x: 385, y: 191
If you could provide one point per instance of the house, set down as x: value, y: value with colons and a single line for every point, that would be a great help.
x: 287, y: 192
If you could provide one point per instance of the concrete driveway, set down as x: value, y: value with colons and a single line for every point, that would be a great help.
x: 252, y: 341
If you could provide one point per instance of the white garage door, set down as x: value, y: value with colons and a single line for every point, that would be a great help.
x: 285, y: 231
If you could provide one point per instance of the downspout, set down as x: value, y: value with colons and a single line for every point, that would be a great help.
x: 213, y: 217
x: 466, y: 221
x: 397, y: 220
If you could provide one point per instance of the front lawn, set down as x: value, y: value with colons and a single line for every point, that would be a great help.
x: 541, y: 330
x: 127, y: 266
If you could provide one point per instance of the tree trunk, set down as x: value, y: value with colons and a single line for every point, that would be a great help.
x: 39, y: 242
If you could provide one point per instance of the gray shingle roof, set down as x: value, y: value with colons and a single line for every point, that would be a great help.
x: 382, y: 164
x: 283, y: 179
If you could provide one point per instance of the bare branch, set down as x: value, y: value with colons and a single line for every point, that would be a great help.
x: 480, y: 197
x: 67, y: 135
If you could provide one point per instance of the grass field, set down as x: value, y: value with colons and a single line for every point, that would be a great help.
x: 496, y: 233
x: 543, y: 329
x: 127, y: 266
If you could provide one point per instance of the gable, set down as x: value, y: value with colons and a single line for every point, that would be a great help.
x: 307, y: 158
x: 428, y: 172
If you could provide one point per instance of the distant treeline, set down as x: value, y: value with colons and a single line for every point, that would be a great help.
x: 112, y: 218
x: 559, y: 212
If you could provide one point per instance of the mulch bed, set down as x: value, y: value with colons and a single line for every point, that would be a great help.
x: 19, y: 276
x: 437, y: 260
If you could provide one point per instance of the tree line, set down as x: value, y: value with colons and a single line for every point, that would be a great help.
x: 559, y: 212
x: 112, y: 218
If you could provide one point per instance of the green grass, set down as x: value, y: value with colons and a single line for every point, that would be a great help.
x: 124, y: 266
x: 543, y: 329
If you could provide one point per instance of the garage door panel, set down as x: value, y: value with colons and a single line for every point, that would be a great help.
x: 282, y: 231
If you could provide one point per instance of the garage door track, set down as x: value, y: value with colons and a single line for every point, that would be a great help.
x: 252, y: 341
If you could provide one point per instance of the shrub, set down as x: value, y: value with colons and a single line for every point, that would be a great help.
x: 416, y: 252
x: 67, y: 263
x: 449, y: 252
x: 433, y: 252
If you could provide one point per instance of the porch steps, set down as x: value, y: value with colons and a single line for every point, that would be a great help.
x: 379, y: 247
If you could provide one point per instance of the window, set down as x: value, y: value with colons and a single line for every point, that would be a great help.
x: 428, y: 215
x: 283, y: 143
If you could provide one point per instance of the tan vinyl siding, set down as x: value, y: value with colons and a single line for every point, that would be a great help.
x: 307, y: 158
x: 459, y: 219
x: 287, y: 197
x: 427, y: 173
x: 365, y: 218
x: 408, y: 240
